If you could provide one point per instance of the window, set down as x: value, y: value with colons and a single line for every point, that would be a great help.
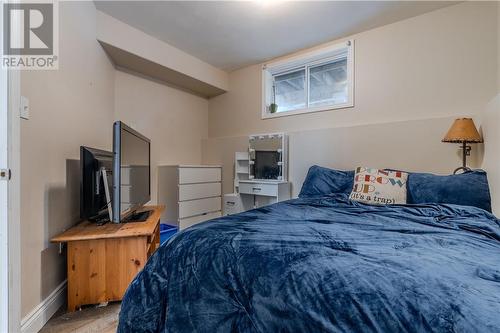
x: 290, y: 90
x: 317, y: 81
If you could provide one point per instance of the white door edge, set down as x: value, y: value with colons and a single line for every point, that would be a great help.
x: 10, y: 253
x: 4, y: 203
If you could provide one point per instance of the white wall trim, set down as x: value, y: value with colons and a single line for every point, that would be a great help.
x: 40, y: 315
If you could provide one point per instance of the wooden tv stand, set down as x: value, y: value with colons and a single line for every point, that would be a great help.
x: 103, y: 260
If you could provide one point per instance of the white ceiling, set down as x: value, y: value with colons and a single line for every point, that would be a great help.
x: 231, y: 35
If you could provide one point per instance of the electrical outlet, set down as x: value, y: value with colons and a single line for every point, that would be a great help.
x: 25, y: 108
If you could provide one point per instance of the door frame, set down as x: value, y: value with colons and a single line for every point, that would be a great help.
x: 10, y: 235
x: 4, y: 212
x: 14, y: 195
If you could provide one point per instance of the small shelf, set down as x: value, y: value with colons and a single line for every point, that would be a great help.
x: 241, y: 171
x: 241, y: 156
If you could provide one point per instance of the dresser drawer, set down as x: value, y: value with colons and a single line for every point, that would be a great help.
x: 189, y: 221
x: 198, y: 207
x: 199, y: 175
x: 199, y: 191
x: 259, y: 189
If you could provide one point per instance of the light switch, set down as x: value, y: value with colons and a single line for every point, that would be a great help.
x: 25, y: 108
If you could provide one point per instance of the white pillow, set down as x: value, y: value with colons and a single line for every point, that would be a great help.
x: 379, y: 187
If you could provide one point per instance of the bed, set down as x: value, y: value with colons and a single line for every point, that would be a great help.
x: 323, y: 263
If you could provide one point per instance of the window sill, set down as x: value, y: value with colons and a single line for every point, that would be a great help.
x: 267, y: 115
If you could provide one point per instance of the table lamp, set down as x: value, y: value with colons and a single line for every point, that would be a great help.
x: 463, y: 131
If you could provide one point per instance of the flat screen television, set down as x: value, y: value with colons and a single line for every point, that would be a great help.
x: 93, y: 199
x: 131, y: 173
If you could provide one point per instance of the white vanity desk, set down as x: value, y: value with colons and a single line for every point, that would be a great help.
x: 265, y: 192
x: 266, y: 182
x: 260, y: 174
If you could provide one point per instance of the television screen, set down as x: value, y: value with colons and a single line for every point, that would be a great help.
x: 131, y: 171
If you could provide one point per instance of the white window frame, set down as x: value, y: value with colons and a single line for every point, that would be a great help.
x: 308, y: 60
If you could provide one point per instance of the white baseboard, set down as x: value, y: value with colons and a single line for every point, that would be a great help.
x: 40, y: 315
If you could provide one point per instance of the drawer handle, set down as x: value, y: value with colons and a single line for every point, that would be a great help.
x: 256, y: 189
x: 230, y: 203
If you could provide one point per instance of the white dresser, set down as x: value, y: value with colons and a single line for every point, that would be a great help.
x: 191, y: 193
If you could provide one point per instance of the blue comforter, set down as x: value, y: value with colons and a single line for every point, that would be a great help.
x: 324, y: 265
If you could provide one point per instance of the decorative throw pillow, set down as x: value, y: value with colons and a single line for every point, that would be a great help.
x: 379, y: 187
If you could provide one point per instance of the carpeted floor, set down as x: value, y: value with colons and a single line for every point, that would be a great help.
x: 93, y: 319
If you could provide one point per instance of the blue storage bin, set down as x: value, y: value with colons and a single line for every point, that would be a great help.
x: 166, y: 231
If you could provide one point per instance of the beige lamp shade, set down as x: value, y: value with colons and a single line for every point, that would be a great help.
x: 463, y: 130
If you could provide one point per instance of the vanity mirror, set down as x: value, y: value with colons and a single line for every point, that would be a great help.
x: 267, y: 157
